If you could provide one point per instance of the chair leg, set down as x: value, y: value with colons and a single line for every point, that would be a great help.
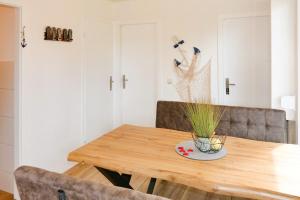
x: 151, y: 186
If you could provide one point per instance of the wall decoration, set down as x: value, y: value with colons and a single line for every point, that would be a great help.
x: 58, y: 34
x: 70, y: 34
x: 48, y: 33
x: 54, y: 33
x: 192, y: 83
x: 23, y: 39
x: 65, y: 35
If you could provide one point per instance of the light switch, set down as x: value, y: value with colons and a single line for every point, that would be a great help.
x: 169, y: 81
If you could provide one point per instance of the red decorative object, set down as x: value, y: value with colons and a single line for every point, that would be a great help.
x: 184, y: 152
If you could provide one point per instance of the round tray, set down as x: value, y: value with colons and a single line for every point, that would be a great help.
x: 187, y: 149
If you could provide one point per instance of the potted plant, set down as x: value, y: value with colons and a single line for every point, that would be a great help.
x: 204, y: 118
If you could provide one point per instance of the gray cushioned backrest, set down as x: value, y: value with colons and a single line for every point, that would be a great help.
x: 251, y: 123
x: 38, y: 184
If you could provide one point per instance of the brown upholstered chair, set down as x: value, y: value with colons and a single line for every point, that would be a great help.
x: 251, y: 123
x: 38, y: 184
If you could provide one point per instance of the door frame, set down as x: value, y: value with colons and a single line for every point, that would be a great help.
x: 18, y: 91
x: 298, y: 78
x: 222, y: 18
x: 117, y: 71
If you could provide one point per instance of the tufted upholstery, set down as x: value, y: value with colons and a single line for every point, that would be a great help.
x: 251, y: 123
x: 38, y: 184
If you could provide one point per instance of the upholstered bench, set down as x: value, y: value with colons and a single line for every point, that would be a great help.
x: 251, y: 123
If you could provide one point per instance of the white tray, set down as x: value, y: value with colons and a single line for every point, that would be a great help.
x: 196, y: 154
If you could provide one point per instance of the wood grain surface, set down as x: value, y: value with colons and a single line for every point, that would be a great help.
x: 252, y: 169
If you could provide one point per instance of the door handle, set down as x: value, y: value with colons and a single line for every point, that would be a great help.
x: 124, y: 81
x: 227, y: 85
x: 111, y: 82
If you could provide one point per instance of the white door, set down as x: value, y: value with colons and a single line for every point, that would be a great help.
x: 138, y: 62
x: 245, y: 61
x: 98, y: 69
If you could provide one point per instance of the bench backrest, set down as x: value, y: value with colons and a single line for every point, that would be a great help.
x: 38, y: 184
x: 251, y: 123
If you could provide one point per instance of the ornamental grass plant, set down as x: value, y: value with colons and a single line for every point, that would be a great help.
x: 204, y: 117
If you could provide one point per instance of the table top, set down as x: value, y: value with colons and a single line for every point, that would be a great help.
x: 252, y: 169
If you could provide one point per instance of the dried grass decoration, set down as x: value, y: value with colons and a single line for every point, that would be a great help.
x: 204, y: 118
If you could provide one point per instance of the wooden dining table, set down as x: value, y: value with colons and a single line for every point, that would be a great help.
x: 251, y: 169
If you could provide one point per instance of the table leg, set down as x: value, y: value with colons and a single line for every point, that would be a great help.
x: 115, y: 178
x: 151, y: 186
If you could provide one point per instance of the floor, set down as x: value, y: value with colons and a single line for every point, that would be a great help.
x: 5, y: 196
x: 138, y: 182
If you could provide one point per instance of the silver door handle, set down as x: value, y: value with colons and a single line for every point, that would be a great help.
x: 124, y: 81
x: 227, y: 85
x: 111, y: 82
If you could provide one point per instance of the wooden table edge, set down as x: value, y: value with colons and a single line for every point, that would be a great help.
x: 228, y: 190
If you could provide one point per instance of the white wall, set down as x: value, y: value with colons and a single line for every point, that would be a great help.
x: 51, y: 75
x: 196, y: 21
x: 8, y: 32
x: 284, y: 51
